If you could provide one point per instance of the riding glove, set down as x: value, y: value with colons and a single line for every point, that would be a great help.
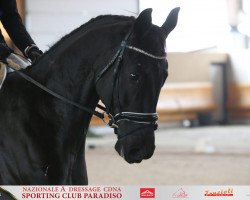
x: 33, y: 53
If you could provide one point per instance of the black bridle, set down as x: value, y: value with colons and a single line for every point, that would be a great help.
x: 140, y: 118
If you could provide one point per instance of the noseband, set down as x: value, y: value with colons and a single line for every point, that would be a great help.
x: 140, y: 118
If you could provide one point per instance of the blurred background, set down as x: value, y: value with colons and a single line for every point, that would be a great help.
x: 204, y: 107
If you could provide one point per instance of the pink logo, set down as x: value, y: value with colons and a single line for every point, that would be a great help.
x: 180, y: 194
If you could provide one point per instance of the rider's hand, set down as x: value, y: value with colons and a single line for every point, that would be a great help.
x: 33, y: 53
x: 5, y: 51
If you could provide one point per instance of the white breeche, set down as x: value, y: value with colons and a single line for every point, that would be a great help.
x: 15, y: 62
x: 3, y: 72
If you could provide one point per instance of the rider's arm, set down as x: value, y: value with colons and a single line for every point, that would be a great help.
x: 12, y: 22
x: 4, y: 49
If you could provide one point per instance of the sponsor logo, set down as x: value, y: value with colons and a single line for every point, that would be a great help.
x: 147, y: 192
x: 219, y: 193
x: 180, y: 194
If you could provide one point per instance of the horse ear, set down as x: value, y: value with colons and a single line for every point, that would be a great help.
x: 170, y: 22
x: 143, y: 21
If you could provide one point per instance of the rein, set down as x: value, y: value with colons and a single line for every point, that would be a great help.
x: 143, y: 118
x: 58, y: 96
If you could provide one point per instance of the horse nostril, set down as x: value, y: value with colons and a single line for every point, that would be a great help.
x: 135, y: 155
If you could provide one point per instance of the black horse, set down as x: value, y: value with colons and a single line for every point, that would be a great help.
x: 116, y: 59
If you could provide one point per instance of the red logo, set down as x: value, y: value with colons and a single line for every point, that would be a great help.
x: 180, y: 194
x: 147, y: 192
x: 219, y: 193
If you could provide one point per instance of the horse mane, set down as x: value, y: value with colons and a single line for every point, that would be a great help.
x: 91, y: 24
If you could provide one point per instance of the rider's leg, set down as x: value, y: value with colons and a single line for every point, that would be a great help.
x: 3, y: 72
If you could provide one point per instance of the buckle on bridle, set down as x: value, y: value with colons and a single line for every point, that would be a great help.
x: 111, y: 123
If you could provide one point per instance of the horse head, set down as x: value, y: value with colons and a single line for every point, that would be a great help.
x: 130, y: 85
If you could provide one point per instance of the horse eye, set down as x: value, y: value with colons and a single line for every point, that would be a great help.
x: 134, y: 76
